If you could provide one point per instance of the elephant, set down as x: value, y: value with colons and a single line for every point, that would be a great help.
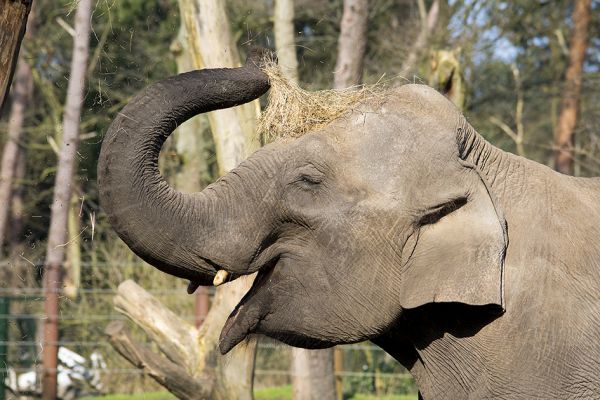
x: 397, y: 222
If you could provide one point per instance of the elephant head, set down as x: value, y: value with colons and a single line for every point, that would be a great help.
x: 347, y: 226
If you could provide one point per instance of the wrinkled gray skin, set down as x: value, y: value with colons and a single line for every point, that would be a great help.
x: 476, y: 269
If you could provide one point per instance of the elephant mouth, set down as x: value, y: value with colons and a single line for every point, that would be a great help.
x: 263, y: 257
x: 246, y: 316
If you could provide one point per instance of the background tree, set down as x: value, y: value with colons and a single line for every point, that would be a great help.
x: 206, y: 37
x: 285, y: 44
x: 57, y: 234
x: 351, y: 44
x: 429, y: 20
x: 569, y: 105
x: 13, y: 20
x: 12, y: 151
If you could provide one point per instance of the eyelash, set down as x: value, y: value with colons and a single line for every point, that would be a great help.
x: 442, y: 210
x: 309, y: 179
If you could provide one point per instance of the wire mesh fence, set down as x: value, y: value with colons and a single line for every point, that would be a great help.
x: 83, y: 318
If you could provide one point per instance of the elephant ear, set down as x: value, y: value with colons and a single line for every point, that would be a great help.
x: 460, y: 256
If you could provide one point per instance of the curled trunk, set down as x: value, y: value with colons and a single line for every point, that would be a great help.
x: 173, y: 231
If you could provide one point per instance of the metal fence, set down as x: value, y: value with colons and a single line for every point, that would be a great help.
x: 366, y: 368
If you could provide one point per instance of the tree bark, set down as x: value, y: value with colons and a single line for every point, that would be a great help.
x: 567, y: 121
x: 233, y: 130
x: 313, y: 377
x: 13, y: 21
x: 167, y: 373
x: 428, y: 24
x: 285, y: 44
x: 57, y: 235
x: 351, y: 44
x: 73, y: 255
x: 21, y: 93
x: 191, y: 148
x: 208, y: 32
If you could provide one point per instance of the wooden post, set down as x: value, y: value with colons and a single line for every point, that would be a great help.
x: 13, y: 20
x: 52, y: 279
x: 338, y: 368
x: 202, y: 306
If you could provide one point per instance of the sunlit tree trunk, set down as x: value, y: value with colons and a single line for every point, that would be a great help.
x: 313, y: 374
x: 57, y: 234
x: 429, y: 21
x: 206, y: 38
x: 73, y: 255
x: 13, y: 20
x: 352, y: 44
x: 21, y: 93
x: 233, y: 128
x: 191, y: 148
x: 569, y: 110
x: 12, y: 152
x: 285, y: 44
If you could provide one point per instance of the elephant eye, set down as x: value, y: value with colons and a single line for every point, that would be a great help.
x: 309, y: 176
x: 438, y: 212
x: 310, y: 179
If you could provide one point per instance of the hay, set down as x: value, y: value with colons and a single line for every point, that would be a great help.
x: 293, y: 111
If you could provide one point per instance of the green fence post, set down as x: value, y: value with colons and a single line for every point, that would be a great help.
x: 4, y: 313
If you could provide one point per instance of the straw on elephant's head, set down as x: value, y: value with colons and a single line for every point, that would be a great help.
x: 293, y: 111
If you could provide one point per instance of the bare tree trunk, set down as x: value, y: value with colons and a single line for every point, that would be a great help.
x: 569, y: 112
x: 233, y: 131
x: 57, y: 235
x: 233, y: 128
x: 206, y: 35
x: 13, y: 20
x: 191, y: 148
x: 12, y: 168
x: 427, y: 26
x: 17, y: 245
x: 73, y: 256
x: 307, y: 383
x: 285, y: 44
x: 21, y: 94
x: 351, y: 44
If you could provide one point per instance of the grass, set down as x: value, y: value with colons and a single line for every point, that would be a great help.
x: 389, y: 397
x: 137, y: 396
x: 273, y: 393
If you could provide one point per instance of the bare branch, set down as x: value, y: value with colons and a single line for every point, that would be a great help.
x: 176, y: 338
x: 168, y: 374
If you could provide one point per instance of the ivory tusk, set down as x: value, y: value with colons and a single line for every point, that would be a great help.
x: 220, y: 277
